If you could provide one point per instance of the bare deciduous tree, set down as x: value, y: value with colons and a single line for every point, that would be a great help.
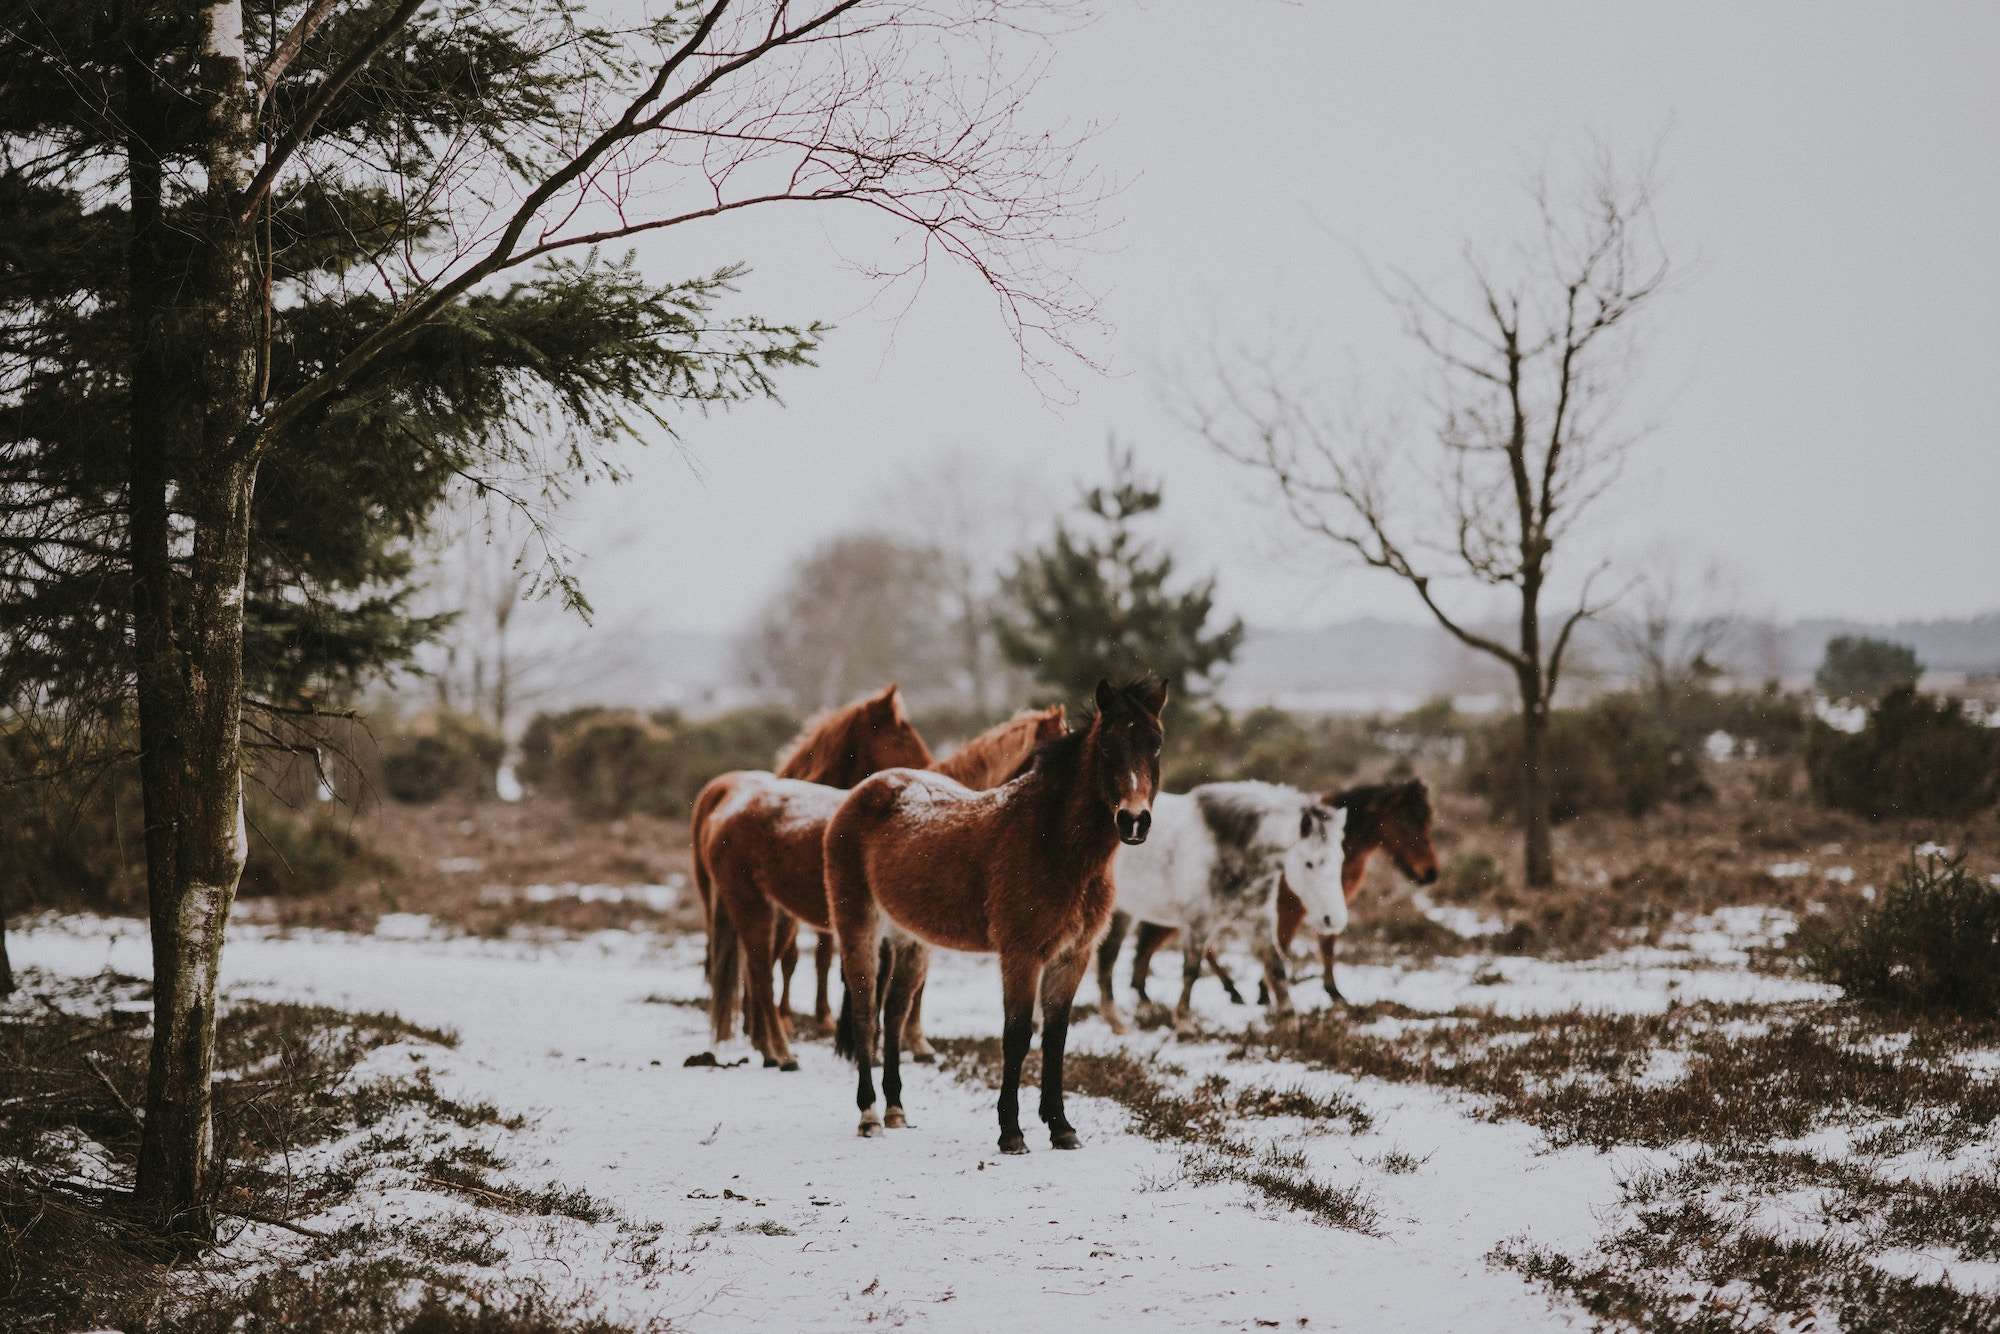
x: 858, y: 610
x: 1525, y: 387
x: 1678, y: 623
x: 971, y: 513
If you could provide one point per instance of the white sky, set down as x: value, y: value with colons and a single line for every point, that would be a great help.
x: 1825, y: 378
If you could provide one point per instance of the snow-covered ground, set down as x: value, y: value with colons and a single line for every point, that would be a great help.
x: 930, y: 1226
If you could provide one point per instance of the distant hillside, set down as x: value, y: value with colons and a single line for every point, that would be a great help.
x: 1368, y: 663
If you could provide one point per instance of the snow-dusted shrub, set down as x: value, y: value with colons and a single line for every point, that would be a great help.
x: 440, y: 755
x: 1932, y: 942
x: 1917, y: 755
x: 1615, y: 754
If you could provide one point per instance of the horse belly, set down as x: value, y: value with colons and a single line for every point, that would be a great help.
x: 783, y: 865
x: 940, y: 899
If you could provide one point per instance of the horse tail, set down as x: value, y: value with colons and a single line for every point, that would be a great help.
x: 725, y: 981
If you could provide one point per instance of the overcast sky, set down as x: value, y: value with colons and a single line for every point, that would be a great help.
x: 1824, y: 378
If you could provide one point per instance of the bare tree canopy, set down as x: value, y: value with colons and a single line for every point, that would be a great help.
x: 1521, y: 432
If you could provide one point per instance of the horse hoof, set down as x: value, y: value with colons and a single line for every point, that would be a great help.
x: 700, y: 1058
x: 925, y: 1057
x: 1064, y: 1139
x: 789, y: 1065
x: 1115, y: 1021
x: 870, y: 1127
x: 770, y: 1062
x: 894, y: 1119
x: 1015, y: 1142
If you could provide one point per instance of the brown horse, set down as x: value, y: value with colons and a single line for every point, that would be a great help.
x: 834, y: 750
x: 995, y: 756
x: 762, y: 851
x: 1023, y: 871
x: 1394, y: 818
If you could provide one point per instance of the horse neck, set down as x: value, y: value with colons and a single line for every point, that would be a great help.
x: 1069, y: 810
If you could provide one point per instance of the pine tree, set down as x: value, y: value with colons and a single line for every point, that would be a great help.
x: 1099, y: 600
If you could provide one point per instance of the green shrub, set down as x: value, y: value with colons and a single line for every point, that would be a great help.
x: 1916, y: 756
x: 609, y: 764
x: 441, y: 755
x: 313, y: 854
x: 545, y: 731
x: 1770, y: 722
x: 1615, y: 754
x: 1931, y: 944
x: 1856, y: 668
x: 1469, y: 875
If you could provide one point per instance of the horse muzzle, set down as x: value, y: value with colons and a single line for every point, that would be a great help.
x: 1133, y: 826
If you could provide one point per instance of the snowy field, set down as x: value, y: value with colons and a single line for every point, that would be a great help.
x: 770, y: 1213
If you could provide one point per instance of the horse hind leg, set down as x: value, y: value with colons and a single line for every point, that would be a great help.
x: 766, y: 1023
x: 1222, y: 976
x: 909, y: 962
x: 857, y: 927
x: 1191, y: 957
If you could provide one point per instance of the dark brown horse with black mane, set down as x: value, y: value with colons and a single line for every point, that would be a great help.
x: 1390, y: 818
x: 1023, y: 871
x: 995, y: 756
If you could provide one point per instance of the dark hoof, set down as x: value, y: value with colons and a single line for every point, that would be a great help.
x: 701, y: 1058
x: 871, y: 1124
x: 1014, y: 1142
x: 1064, y: 1139
x: 1263, y: 994
x: 894, y: 1119
x: 924, y: 1057
x: 770, y: 1062
x: 789, y: 1065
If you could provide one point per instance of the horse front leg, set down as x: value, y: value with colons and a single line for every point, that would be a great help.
x: 1019, y: 978
x: 787, y: 951
x: 1107, y: 962
x: 1059, y: 983
x: 919, y: 1046
x: 1196, y: 946
x: 1328, y: 947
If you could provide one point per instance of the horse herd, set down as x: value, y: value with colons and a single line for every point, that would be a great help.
x: 1033, y: 841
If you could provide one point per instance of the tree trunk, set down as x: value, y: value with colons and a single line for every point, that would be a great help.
x: 6, y: 965
x: 1538, y: 850
x: 189, y: 658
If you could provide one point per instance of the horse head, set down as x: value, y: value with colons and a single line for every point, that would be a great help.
x: 1394, y: 818
x: 1127, y: 736
x: 890, y: 740
x: 1312, y: 869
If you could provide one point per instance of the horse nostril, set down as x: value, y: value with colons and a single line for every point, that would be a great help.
x: 1145, y: 823
x: 1430, y: 877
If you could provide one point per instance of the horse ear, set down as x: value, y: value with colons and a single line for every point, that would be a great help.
x: 1151, y: 694
x: 891, y: 700
x: 1106, y: 696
